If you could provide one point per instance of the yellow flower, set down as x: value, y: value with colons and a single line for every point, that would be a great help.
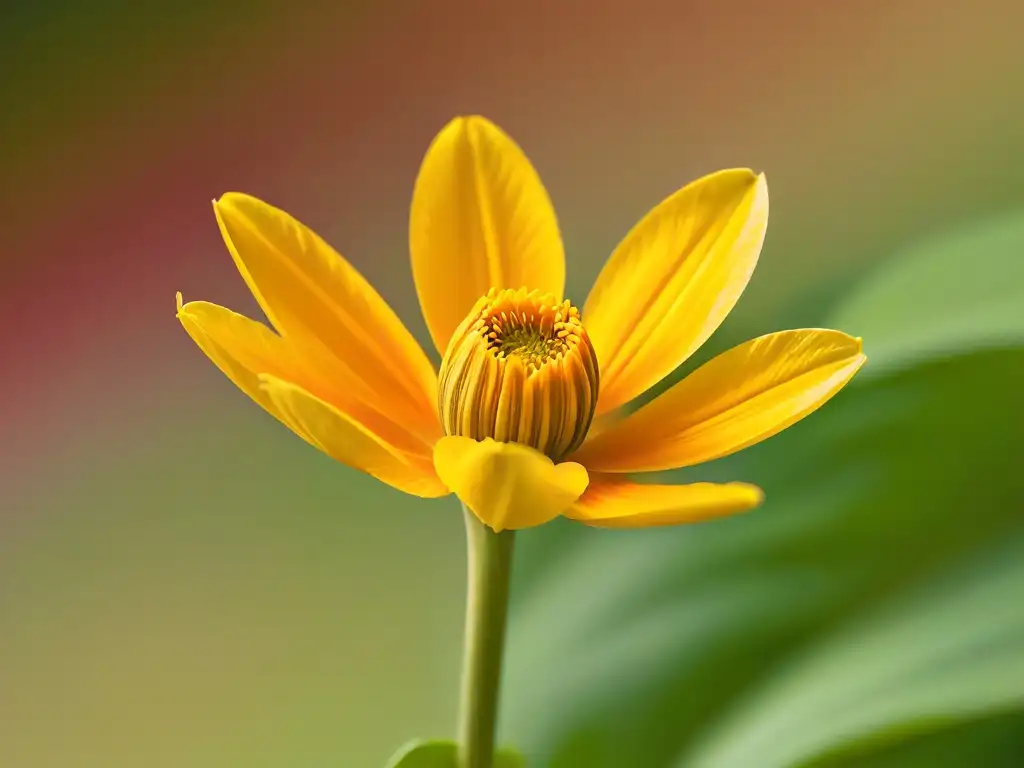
x: 507, y: 426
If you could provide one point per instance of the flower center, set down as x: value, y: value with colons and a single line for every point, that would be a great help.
x: 520, y: 369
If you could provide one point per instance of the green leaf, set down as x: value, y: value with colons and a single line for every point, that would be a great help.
x: 506, y: 757
x: 987, y: 741
x: 958, y: 290
x: 952, y: 649
x: 426, y: 754
x: 444, y: 754
x: 869, y: 609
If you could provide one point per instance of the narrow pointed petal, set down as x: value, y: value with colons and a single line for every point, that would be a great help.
x: 325, y: 427
x: 739, y: 398
x: 673, y: 279
x: 329, y: 312
x: 611, y: 502
x: 241, y: 348
x: 480, y: 218
x: 507, y: 485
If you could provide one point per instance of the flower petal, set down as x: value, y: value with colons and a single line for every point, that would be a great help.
x: 259, y: 362
x: 480, y: 218
x: 673, y: 279
x: 322, y: 305
x: 325, y: 427
x: 507, y: 485
x: 739, y: 398
x: 240, y: 347
x: 611, y: 502
x: 243, y: 348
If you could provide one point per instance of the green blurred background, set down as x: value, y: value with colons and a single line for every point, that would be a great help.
x: 184, y: 583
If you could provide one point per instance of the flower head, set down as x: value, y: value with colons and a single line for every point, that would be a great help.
x: 507, y: 424
x: 520, y: 369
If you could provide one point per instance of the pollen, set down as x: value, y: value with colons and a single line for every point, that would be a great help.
x: 520, y: 369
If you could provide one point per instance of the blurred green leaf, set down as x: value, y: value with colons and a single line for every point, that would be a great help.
x: 506, y: 757
x: 951, y: 649
x: 444, y: 754
x: 961, y: 289
x: 426, y: 754
x: 988, y: 741
x: 867, y: 614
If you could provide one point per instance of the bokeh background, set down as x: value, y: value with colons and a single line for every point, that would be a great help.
x: 184, y: 583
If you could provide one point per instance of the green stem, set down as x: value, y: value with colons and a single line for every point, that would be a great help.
x: 490, y: 565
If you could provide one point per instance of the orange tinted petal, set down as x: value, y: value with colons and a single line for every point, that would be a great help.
x: 673, y: 279
x: 612, y: 502
x: 739, y: 398
x: 343, y: 439
x: 241, y: 348
x: 480, y: 218
x: 330, y: 313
